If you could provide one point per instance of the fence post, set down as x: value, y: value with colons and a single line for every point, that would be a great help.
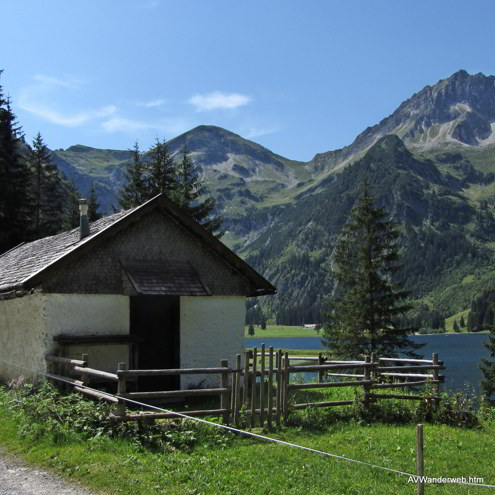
x: 420, y: 460
x: 374, y: 375
x: 270, y: 386
x: 367, y: 376
x: 84, y: 358
x: 245, y: 390
x: 434, y: 358
x: 121, y: 389
x: 237, y: 390
x: 224, y: 397
x: 286, y: 388
x: 320, y: 373
x: 262, y: 387
x: 253, y: 388
x: 278, y: 378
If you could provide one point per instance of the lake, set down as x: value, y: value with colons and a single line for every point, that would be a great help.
x: 461, y: 354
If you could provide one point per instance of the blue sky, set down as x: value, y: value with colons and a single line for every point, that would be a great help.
x: 299, y: 77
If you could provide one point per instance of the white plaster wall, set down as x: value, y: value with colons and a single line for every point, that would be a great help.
x: 211, y: 329
x: 28, y: 325
x: 23, y: 336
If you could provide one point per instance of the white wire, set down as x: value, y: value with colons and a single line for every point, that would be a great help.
x: 236, y: 430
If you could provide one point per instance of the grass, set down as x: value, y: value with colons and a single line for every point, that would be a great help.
x: 233, y: 465
x: 281, y: 332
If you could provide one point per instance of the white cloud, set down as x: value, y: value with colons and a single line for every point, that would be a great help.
x: 120, y: 124
x: 31, y: 96
x: 55, y: 117
x: 159, y: 102
x: 50, y: 81
x: 218, y: 100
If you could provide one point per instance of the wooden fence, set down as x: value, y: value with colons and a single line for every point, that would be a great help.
x: 258, y: 389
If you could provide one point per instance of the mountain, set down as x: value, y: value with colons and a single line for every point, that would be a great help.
x: 238, y: 170
x: 455, y: 113
x: 431, y: 164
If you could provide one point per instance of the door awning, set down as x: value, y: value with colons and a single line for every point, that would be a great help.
x: 170, y: 278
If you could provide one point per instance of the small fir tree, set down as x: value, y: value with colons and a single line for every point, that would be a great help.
x: 263, y: 322
x: 456, y: 327
x: 462, y: 322
x: 366, y: 303
x: 71, y: 206
x: 189, y: 192
x: 162, y: 174
x: 133, y: 192
x: 251, y: 329
x: 93, y: 205
x: 47, y: 191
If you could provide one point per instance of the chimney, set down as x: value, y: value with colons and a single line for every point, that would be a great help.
x: 84, y: 223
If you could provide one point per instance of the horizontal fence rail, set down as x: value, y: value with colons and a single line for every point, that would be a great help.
x: 258, y: 388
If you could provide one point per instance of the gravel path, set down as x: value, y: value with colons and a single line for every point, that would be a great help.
x: 17, y: 478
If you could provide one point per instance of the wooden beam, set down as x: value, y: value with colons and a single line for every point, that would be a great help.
x: 354, y: 383
x: 62, y: 360
x: 179, y: 371
x: 323, y: 404
x: 97, y: 373
x: 176, y: 393
x: 97, y: 395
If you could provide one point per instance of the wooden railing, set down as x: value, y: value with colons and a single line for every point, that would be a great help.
x: 259, y: 387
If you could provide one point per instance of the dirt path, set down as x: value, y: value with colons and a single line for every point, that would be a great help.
x: 16, y: 478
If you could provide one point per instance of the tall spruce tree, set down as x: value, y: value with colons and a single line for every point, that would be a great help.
x: 133, y: 192
x: 47, y: 191
x: 93, y: 205
x: 190, y: 192
x: 71, y: 206
x: 162, y: 174
x: 15, y: 179
x: 365, y: 307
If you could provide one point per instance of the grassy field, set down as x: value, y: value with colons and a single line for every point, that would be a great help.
x: 215, y: 462
x: 281, y: 331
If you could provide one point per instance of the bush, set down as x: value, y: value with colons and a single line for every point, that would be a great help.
x: 46, y: 412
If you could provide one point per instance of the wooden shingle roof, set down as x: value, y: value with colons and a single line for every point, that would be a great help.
x: 171, y: 278
x: 25, y: 266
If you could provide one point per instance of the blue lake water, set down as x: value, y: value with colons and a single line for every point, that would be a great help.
x: 461, y: 354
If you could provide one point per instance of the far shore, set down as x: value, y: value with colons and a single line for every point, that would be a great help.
x: 287, y: 332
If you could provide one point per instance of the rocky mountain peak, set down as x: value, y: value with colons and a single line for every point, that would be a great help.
x: 455, y: 112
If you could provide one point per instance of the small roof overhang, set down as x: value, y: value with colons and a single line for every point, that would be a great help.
x: 170, y: 278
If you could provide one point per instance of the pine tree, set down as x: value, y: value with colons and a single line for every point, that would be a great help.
x: 251, y: 329
x: 456, y: 327
x: 15, y: 178
x: 93, y: 205
x: 190, y: 190
x: 263, y: 322
x: 462, y: 323
x: 487, y: 367
x: 133, y: 193
x: 71, y: 206
x: 470, y: 322
x: 366, y: 304
x: 162, y: 174
x: 47, y: 191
